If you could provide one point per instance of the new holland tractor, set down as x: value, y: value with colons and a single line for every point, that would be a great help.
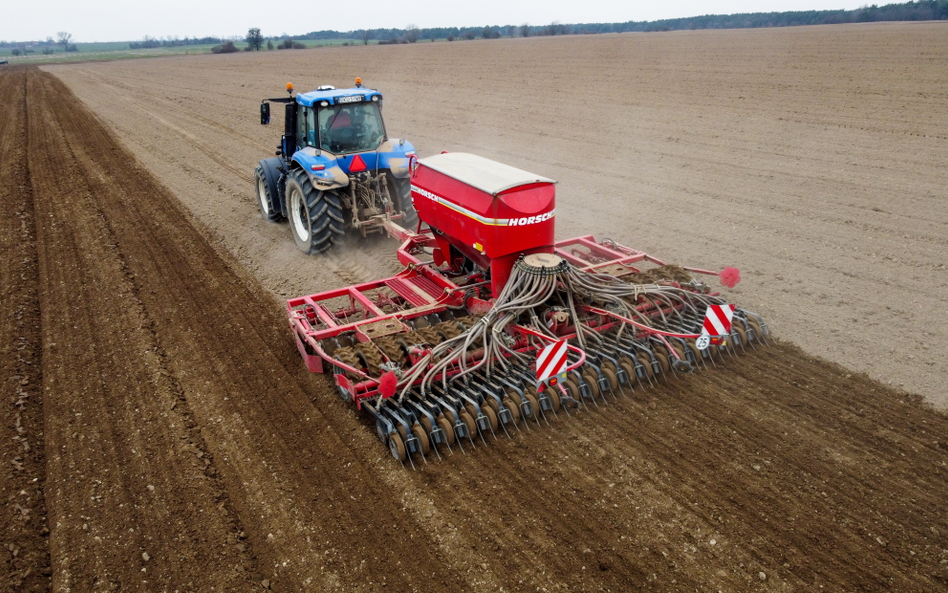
x: 336, y: 170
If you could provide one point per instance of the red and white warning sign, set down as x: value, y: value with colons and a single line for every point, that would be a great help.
x: 551, y: 363
x: 717, y: 323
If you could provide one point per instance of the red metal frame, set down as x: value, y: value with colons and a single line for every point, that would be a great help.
x: 312, y: 322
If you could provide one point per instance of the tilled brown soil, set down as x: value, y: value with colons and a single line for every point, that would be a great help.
x: 184, y: 447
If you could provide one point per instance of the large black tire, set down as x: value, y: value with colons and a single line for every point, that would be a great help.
x: 266, y: 179
x: 315, y: 216
x: 401, y: 193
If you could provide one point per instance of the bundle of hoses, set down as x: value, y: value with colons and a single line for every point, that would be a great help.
x: 531, y: 286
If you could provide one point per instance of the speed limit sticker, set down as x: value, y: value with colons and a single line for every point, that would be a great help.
x: 702, y: 342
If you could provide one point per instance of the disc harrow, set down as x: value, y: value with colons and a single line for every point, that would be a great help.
x: 467, y: 346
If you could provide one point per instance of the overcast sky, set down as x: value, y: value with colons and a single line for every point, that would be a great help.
x: 129, y: 20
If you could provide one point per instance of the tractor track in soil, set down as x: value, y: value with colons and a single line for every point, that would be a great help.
x: 187, y: 448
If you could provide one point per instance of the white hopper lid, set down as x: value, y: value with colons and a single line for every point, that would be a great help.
x: 484, y: 174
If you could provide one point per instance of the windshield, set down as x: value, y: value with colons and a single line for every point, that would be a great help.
x: 350, y: 128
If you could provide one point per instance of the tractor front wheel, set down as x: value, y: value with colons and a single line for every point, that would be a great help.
x: 315, y: 216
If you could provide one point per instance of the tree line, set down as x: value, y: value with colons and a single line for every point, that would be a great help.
x: 151, y: 42
x: 920, y: 10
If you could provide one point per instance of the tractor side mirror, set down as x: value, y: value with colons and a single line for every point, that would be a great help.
x: 264, y: 113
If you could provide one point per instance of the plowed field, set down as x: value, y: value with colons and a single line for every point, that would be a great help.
x: 161, y: 433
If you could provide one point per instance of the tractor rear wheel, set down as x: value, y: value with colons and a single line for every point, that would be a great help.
x: 267, y: 185
x: 315, y: 216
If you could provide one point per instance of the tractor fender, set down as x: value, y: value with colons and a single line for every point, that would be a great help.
x: 321, y: 167
x: 394, y: 155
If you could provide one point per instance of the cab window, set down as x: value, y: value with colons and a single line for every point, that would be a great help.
x: 301, y: 126
x: 350, y: 128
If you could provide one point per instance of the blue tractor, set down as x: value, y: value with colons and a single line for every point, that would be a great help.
x: 336, y: 171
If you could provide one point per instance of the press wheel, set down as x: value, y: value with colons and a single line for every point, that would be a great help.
x: 662, y: 359
x: 514, y: 408
x: 401, y: 431
x: 741, y: 333
x: 572, y: 388
x: 554, y: 394
x: 491, y: 417
x: 694, y: 349
x: 515, y: 397
x: 591, y: 379
x: 426, y: 423
x: 611, y: 377
x: 467, y: 419
x: 571, y: 384
x: 491, y: 402
x: 629, y: 367
x: 714, y: 350
x: 446, y: 428
x: 758, y: 331
x: 646, y: 362
x: 422, y: 437
x: 534, y: 406
x: 397, y: 446
x: 608, y: 364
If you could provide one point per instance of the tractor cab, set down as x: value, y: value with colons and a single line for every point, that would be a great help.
x: 340, y: 121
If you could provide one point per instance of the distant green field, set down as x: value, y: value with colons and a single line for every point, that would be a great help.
x: 119, y: 50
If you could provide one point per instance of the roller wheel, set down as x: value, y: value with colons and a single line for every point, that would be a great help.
x: 646, y: 362
x: 397, y: 446
x: 662, y: 359
x: 694, y: 349
x: 714, y: 351
x: 534, y: 405
x: 629, y: 367
x: 467, y: 419
x: 315, y: 216
x: 613, y: 378
x: 449, y: 330
x: 422, y: 437
x: 609, y: 365
x: 741, y: 333
x: 401, y: 430
x: 514, y: 395
x: 380, y: 430
x: 591, y: 379
x: 572, y: 388
x: 610, y: 376
x: 492, y: 403
x: 554, y: 394
x: 267, y: 186
x: 514, y: 407
x: 758, y: 331
x: 343, y: 392
x: 491, y: 417
x: 426, y: 423
x: 446, y: 428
